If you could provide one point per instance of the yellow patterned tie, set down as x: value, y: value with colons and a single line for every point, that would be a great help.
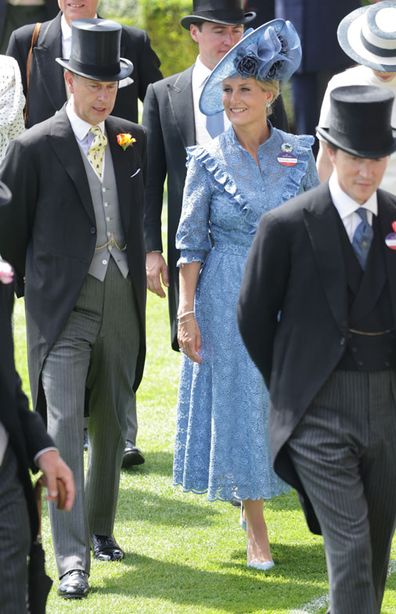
x: 97, y: 150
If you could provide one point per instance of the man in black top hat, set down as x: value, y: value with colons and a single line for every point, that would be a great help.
x: 174, y: 122
x: 47, y: 93
x: 317, y: 312
x: 74, y: 231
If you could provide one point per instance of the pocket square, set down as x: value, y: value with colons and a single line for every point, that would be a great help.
x: 136, y: 173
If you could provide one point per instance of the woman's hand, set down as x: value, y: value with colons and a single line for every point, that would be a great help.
x: 189, y: 338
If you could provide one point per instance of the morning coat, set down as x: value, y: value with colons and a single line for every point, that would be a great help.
x: 293, y: 309
x: 48, y: 231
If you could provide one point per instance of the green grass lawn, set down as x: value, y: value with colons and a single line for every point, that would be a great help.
x: 184, y: 554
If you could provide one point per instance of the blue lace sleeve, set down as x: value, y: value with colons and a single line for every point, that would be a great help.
x: 311, y: 178
x: 192, y: 237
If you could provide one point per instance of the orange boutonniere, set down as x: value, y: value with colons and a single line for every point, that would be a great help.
x: 125, y: 140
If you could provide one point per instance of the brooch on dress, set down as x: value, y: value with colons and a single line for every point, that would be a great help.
x: 286, y: 156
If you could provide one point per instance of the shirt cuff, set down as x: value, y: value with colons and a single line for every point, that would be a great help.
x: 42, y: 452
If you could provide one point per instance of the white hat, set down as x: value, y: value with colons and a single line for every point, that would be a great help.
x: 368, y: 35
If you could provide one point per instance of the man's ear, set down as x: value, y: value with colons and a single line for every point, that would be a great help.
x: 68, y: 77
x: 193, y: 32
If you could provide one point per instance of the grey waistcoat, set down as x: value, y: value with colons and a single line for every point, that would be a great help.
x: 108, y: 222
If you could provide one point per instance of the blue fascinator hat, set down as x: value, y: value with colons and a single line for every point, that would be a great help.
x: 272, y: 52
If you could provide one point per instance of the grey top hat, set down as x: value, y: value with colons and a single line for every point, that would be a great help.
x: 360, y: 121
x: 95, y: 51
x: 227, y: 12
x: 5, y: 194
x: 368, y: 35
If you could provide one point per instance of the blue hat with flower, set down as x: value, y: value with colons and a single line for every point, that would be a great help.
x: 272, y: 52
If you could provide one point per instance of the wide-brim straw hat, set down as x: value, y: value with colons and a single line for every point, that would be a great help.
x: 272, y: 52
x: 95, y: 51
x: 368, y: 35
x: 360, y: 121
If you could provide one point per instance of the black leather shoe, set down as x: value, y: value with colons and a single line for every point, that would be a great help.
x: 132, y: 455
x: 106, y: 548
x: 74, y: 584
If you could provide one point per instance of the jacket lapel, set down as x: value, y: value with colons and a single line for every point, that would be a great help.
x: 126, y: 168
x: 386, y: 216
x: 65, y: 146
x: 48, y: 48
x: 322, y: 226
x: 182, y: 106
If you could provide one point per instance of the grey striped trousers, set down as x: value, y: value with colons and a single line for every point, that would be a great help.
x: 98, y: 349
x: 344, y: 451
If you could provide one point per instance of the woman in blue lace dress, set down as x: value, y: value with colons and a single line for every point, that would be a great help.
x: 222, y: 441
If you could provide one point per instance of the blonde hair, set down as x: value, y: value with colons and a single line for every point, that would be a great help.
x: 273, y: 88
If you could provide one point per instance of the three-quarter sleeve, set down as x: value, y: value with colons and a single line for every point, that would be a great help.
x: 192, y: 237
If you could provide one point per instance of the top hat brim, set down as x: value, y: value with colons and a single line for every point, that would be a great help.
x: 223, y: 19
x: 126, y: 69
x: 324, y: 132
x: 349, y: 38
x: 5, y: 194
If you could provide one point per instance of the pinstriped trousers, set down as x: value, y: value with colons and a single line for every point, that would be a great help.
x: 14, y: 538
x: 344, y: 451
x: 97, y: 349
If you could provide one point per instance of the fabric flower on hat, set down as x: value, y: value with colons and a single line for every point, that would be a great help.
x: 271, y: 56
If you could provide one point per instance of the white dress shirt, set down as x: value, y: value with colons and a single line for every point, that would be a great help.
x: 199, y: 76
x: 347, y: 207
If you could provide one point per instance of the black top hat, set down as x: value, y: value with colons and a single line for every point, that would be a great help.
x: 227, y: 12
x: 5, y: 194
x: 360, y: 121
x: 95, y: 51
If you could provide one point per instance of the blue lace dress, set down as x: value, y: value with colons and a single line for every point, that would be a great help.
x: 222, y: 443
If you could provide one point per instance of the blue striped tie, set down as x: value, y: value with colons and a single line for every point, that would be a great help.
x: 362, y: 238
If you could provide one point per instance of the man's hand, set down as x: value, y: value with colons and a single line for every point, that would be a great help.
x: 157, y: 272
x: 53, y: 468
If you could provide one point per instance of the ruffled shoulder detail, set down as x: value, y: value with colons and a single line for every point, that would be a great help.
x: 300, y: 146
x: 212, y: 159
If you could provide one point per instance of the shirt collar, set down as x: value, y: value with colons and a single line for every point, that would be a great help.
x: 66, y: 29
x: 79, y: 126
x: 345, y: 204
x: 201, y: 72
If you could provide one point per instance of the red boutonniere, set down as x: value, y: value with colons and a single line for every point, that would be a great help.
x: 125, y: 140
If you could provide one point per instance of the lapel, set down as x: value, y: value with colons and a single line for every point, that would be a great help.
x: 386, y: 216
x: 64, y: 144
x: 320, y: 217
x: 182, y: 106
x: 48, y: 48
x: 127, y: 170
